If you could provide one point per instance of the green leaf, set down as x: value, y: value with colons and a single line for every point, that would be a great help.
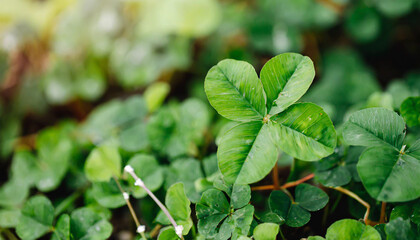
x: 374, y: 127
x: 9, y: 217
x: 310, y: 198
x: 235, y: 91
x: 187, y: 171
x: 168, y: 233
x: 13, y: 193
x: 304, y: 131
x: 241, y: 195
x: 410, y: 110
x: 55, y: 150
x: 36, y: 219
x: 155, y: 94
x: 286, y: 78
x: 178, y: 206
x: 237, y: 224
x: 211, y: 210
x: 86, y: 224
x: 246, y: 153
x: 103, y: 163
x: 349, y: 229
x: 23, y: 165
x: 266, y: 231
x: 62, y: 228
x: 107, y: 194
x: 134, y: 138
x: 401, y: 229
x: 147, y: 168
x: 383, y: 171
x: 296, y: 214
x: 409, y: 210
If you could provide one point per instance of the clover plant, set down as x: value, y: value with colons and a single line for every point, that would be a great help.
x: 269, y: 119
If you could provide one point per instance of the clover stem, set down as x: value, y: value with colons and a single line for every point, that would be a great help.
x: 155, y: 230
x: 357, y: 198
x: 276, y: 177
x: 297, y: 182
x: 382, y: 218
x: 284, y: 186
x: 281, y: 234
x: 140, y: 228
x: 262, y: 188
x: 140, y: 183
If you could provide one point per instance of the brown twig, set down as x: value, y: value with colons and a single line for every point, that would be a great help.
x: 275, y: 173
x: 382, y: 218
x: 357, y: 198
x: 297, y: 182
x: 284, y: 186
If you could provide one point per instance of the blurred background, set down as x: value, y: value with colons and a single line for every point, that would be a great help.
x: 59, y: 59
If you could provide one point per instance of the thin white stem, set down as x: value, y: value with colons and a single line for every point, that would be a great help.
x: 140, y: 183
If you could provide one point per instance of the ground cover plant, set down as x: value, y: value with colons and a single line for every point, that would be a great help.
x: 207, y: 119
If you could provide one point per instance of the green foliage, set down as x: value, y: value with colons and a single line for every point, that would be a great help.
x: 410, y: 111
x: 179, y: 207
x: 266, y: 231
x: 218, y: 218
x: 103, y: 163
x: 347, y: 229
x: 296, y: 213
x: 385, y: 166
x: 244, y: 100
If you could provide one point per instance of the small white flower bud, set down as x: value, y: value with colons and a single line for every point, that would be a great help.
x: 126, y: 196
x: 141, y: 229
x: 178, y: 230
x: 128, y: 169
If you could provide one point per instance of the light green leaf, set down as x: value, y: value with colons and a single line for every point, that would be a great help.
x: 178, y: 206
x: 410, y: 110
x: 388, y: 175
x: 155, y: 94
x: 13, y: 193
x: 286, y: 78
x: 147, y: 168
x: 36, y: 219
x: 9, y: 217
x: 107, y: 194
x: 266, y: 231
x: 62, y: 228
x: 103, y: 163
x: 373, y: 127
x: 168, y: 233
x: 349, y: 229
x: 134, y: 138
x: 85, y: 224
x: 304, y: 131
x: 246, y: 153
x: 235, y: 91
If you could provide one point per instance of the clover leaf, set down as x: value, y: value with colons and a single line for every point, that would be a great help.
x: 266, y: 231
x: 36, y: 218
x: 219, y: 219
x: 103, y: 163
x: 297, y: 212
x: 385, y: 166
x: 349, y: 229
x: 270, y: 119
x: 410, y: 110
x: 178, y: 206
